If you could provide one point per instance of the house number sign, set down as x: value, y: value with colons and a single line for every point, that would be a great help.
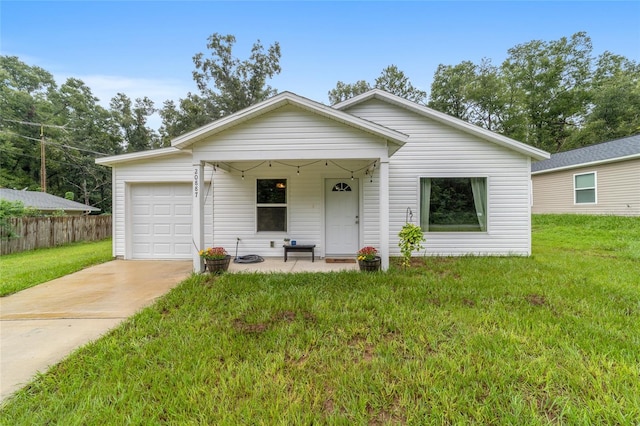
x: 196, y: 183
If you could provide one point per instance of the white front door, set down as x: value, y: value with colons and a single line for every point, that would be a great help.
x: 341, y: 216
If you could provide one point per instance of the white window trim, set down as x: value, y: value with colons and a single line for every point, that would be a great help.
x: 595, y: 188
x: 258, y: 205
x: 454, y: 176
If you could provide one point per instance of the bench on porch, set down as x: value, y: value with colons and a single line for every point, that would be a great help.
x: 302, y: 247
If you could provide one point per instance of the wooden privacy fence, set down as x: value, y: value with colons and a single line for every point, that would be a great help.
x: 40, y: 232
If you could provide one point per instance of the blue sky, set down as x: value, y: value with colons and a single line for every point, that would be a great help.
x: 145, y: 48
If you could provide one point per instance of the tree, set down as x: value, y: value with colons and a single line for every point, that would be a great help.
x: 394, y: 81
x: 132, y: 122
x: 615, y: 102
x: 391, y: 79
x: 551, y: 80
x: 226, y: 84
x: 451, y: 91
x: 344, y: 91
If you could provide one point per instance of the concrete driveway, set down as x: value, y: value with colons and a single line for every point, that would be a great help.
x: 40, y: 326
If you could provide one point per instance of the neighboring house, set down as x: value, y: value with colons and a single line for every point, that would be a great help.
x: 597, y: 179
x: 338, y: 177
x: 46, y: 203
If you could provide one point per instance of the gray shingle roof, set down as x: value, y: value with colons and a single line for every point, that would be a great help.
x: 590, y: 154
x: 44, y: 201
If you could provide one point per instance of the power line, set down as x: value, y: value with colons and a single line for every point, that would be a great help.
x: 54, y: 143
x: 29, y: 123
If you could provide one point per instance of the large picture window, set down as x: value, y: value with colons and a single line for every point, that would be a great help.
x: 271, y: 205
x: 453, y: 204
x: 585, y: 188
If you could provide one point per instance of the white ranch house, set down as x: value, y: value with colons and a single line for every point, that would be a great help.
x: 339, y: 177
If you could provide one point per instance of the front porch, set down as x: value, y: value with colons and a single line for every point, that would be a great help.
x: 292, y: 265
x: 337, y: 205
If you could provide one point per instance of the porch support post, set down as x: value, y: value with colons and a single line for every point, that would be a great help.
x: 384, y: 212
x: 197, y: 224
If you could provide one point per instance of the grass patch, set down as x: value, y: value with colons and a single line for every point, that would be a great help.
x: 30, y: 268
x: 552, y: 338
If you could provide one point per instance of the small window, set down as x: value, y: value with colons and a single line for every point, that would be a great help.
x: 585, y: 188
x: 341, y: 187
x: 271, y: 205
x: 453, y: 204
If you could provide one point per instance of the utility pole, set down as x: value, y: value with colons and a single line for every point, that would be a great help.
x: 43, y: 167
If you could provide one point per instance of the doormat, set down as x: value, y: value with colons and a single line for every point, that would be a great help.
x: 338, y: 260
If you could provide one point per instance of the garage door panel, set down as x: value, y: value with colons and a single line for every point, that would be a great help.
x: 184, y: 249
x: 181, y: 229
x: 162, y: 229
x: 183, y: 210
x: 161, y: 221
x: 141, y: 229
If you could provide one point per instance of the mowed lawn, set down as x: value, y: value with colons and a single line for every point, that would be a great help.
x: 19, y: 271
x: 550, y: 339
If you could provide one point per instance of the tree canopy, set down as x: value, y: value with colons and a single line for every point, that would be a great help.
x: 226, y: 85
x: 391, y: 79
x: 554, y: 95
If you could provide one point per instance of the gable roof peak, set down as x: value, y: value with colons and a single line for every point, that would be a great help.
x: 446, y: 119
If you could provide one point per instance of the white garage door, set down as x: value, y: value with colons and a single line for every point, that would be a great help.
x: 161, y: 221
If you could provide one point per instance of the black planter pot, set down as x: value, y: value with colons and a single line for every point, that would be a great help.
x: 370, y: 265
x: 217, y: 266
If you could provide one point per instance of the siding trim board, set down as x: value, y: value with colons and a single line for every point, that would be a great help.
x: 406, y: 141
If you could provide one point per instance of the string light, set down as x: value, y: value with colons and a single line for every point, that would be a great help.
x: 351, y: 175
x: 243, y: 175
x: 326, y: 163
x: 269, y: 163
x: 298, y: 170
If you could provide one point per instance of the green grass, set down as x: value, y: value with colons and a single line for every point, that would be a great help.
x: 550, y: 339
x: 27, y: 269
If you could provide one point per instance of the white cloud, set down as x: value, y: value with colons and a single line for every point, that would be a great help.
x: 105, y: 87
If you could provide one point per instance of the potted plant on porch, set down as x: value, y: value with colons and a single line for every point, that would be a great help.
x: 368, y: 259
x: 216, y: 259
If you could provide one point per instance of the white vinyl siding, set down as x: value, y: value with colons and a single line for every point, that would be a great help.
x: 287, y: 133
x: 435, y: 149
x: 170, y: 169
x: 235, y: 208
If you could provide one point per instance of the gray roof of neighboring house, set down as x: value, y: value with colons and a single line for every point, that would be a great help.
x: 44, y: 201
x: 600, y: 153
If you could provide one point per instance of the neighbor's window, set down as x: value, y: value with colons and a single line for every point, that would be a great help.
x: 453, y: 204
x: 585, y: 188
x: 271, y: 205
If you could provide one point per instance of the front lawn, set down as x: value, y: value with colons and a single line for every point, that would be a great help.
x: 552, y: 338
x: 29, y: 268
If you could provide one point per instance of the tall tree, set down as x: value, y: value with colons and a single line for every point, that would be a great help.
x: 344, y: 91
x: 131, y: 119
x: 391, y: 79
x: 24, y: 101
x: 451, y: 89
x: 395, y: 81
x: 615, y: 101
x: 226, y: 84
x: 552, y: 80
